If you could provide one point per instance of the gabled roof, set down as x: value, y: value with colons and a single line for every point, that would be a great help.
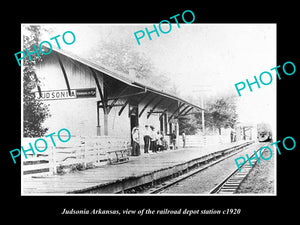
x: 123, y: 77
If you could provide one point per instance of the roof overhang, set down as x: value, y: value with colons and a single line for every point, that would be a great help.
x: 123, y: 77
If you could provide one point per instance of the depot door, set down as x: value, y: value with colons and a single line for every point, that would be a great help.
x: 134, y: 116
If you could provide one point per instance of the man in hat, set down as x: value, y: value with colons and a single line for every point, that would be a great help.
x: 153, y: 139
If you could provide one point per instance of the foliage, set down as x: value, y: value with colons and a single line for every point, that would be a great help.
x: 34, y: 112
x: 221, y: 112
x: 121, y: 56
x: 189, y: 124
x: 73, y: 168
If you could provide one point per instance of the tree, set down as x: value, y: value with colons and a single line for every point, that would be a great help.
x: 34, y: 112
x: 120, y: 55
x: 221, y: 112
x: 189, y: 124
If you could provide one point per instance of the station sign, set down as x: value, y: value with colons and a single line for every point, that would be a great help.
x: 86, y: 93
x: 64, y: 94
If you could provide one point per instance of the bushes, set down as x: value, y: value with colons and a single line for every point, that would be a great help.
x: 62, y: 169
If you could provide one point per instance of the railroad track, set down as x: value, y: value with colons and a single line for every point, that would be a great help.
x: 159, y: 188
x: 231, y: 183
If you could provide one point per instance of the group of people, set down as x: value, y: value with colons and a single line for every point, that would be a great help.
x: 153, y: 140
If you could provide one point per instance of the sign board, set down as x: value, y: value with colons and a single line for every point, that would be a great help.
x: 86, y: 93
x: 64, y: 94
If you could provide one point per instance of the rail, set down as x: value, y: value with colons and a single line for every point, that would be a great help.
x: 195, y: 166
x: 232, y: 182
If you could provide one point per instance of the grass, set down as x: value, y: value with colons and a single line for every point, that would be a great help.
x: 74, y: 168
x: 261, y: 179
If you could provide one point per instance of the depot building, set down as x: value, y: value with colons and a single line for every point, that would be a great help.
x: 90, y: 99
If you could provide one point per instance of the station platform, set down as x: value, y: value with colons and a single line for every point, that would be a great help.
x: 139, y: 170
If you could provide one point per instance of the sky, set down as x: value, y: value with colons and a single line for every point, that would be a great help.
x: 195, y: 57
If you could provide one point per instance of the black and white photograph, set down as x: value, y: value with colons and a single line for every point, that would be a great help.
x: 130, y: 113
x: 173, y: 108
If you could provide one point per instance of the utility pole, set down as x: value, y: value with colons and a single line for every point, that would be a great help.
x: 202, y: 106
x: 201, y: 89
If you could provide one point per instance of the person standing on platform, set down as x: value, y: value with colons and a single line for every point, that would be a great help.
x: 173, y: 139
x: 159, y: 141
x: 183, y: 139
x: 232, y: 135
x: 146, y: 139
x: 164, y: 142
x: 136, y: 142
x: 153, y: 144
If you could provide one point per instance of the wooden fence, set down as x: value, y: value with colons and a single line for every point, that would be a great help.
x: 199, y: 140
x: 82, y: 152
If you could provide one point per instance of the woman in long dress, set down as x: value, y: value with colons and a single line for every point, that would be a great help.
x: 136, y: 142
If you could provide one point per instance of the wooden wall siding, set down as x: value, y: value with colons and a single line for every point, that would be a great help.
x: 77, y: 115
x: 80, y: 115
x: 79, y: 76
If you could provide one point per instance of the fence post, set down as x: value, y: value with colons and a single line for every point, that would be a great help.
x: 84, y: 156
x: 52, y: 161
x: 98, y: 153
x: 81, y: 151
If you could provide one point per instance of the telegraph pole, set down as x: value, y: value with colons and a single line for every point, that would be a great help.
x: 201, y: 89
x: 202, y: 106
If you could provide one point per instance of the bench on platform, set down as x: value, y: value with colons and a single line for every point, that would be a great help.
x: 118, y: 155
